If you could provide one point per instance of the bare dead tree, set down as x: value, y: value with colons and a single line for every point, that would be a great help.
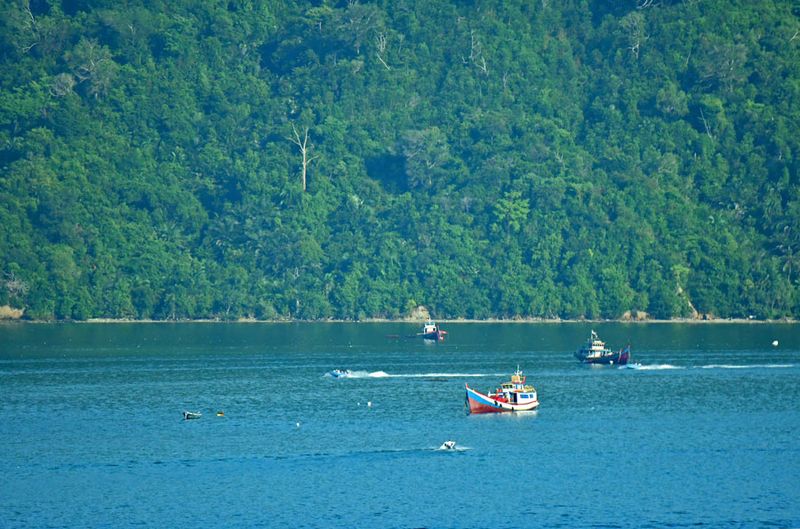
x: 722, y: 62
x: 16, y: 287
x: 633, y: 25
x: 560, y: 159
x: 62, y: 84
x: 381, y: 42
x: 474, y: 46
x: 92, y: 63
x: 705, y: 123
x: 31, y: 25
x: 358, y: 22
x: 476, y: 56
x: 302, y: 144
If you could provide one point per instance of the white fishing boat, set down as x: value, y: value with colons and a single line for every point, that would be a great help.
x: 513, y: 395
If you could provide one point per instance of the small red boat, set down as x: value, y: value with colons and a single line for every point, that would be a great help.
x: 513, y: 395
x: 431, y: 331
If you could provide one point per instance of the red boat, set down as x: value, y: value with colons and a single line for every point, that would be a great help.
x: 513, y: 395
x: 431, y: 331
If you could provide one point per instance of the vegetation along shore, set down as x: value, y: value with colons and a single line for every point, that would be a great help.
x: 497, y: 160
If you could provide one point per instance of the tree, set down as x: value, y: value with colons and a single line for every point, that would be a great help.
x: 634, y: 31
x: 501, y: 159
x: 305, y: 157
x: 92, y: 63
x: 721, y: 63
x: 425, y: 152
x: 511, y: 211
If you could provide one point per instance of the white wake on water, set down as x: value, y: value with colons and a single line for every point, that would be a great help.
x: 752, y: 366
x: 652, y: 367
x: 659, y: 367
x: 454, y: 449
x: 442, y: 375
x: 384, y: 374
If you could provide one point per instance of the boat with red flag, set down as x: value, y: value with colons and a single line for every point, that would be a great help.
x: 513, y: 395
x: 594, y: 351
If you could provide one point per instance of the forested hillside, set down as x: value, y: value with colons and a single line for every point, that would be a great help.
x: 354, y: 159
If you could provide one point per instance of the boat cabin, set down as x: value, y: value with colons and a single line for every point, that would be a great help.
x: 515, y: 391
x: 594, y: 347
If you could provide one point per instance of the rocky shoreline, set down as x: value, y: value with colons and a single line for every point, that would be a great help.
x: 533, y: 321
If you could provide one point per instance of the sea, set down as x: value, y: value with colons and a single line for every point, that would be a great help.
x: 703, y: 430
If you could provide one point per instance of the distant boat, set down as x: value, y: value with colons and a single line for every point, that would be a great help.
x: 594, y: 351
x: 513, y: 395
x: 340, y: 373
x: 448, y: 445
x: 431, y: 331
x: 191, y: 415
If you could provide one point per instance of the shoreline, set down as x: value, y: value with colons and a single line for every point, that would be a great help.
x: 533, y: 321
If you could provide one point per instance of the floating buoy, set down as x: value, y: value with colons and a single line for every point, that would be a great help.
x: 775, y: 343
x: 369, y: 404
x: 297, y: 425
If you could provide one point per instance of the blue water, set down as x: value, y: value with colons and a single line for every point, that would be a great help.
x: 705, y: 433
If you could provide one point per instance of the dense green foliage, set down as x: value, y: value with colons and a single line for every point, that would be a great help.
x: 497, y: 158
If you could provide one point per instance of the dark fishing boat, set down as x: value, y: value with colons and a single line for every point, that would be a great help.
x: 594, y: 351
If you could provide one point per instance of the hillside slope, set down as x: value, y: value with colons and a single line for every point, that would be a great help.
x: 312, y: 160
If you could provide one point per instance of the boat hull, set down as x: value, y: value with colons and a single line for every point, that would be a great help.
x: 478, y: 402
x: 435, y: 335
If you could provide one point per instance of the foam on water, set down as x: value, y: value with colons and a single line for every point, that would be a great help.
x: 456, y: 449
x: 753, y: 366
x: 651, y: 367
x: 444, y: 375
x: 660, y: 367
x: 384, y: 374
